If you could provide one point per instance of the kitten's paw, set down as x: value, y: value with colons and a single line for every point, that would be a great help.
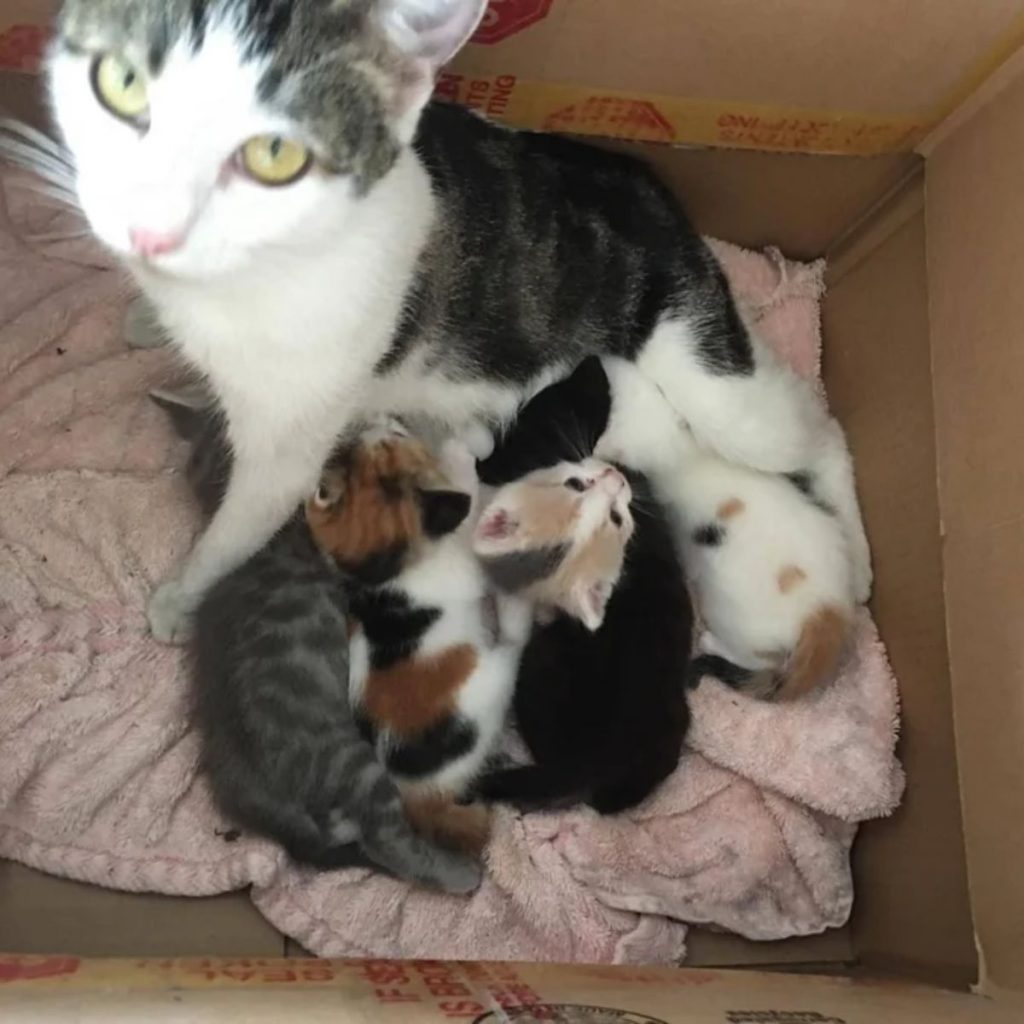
x: 515, y: 618
x: 170, y: 612
x: 479, y: 441
x: 610, y: 449
x: 459, y: 464
x: 141, y: 328
x: 460, y: 875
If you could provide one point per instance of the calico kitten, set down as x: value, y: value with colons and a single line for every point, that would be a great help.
x: 599, y: 697
x: 280, y: 745
x: 317, y: 249
x: 768, y: 559
x: 433, y: 657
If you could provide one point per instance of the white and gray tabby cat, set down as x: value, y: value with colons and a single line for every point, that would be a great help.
x: 281, y: 745
x: 318, y: 240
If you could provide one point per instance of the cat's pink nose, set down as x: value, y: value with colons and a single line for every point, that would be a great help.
x: 155, y: 243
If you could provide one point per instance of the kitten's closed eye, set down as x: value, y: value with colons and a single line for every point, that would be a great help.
x: 574, y: 483
x: 615, y: 518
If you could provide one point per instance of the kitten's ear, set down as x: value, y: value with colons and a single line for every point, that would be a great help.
x: 189, y: 410
x: 496, y: 524
x: 588, y: 602
x: 443, y: 511
x: 429, y: 33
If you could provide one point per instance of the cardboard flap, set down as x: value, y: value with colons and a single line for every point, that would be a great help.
x: 975, y: 222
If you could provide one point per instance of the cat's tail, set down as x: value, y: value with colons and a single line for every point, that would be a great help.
x: 368, y: 825
x: 817, y: 654
x: 813, y: 661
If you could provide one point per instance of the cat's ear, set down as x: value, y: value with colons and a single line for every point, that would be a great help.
x: 428, y: 33
x: 189, y: 409
x: 496, y: 525
x: 432, y: 31
x: 588, y: 602
x: 443, y: 511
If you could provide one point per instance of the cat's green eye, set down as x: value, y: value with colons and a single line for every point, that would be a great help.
x: 120, y: 87
x: 275, y: 160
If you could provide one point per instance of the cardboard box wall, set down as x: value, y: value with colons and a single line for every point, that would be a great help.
x: 922, y: 362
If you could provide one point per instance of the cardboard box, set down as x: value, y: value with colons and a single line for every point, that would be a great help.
x: 923, y: 364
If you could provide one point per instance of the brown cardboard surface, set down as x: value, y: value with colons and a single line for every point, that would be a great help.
x: 786, y: 76
x: 706, y: 948
x: 40, y: 914
x: 800, y: 203
x: 360, y: 992
x: 790, y: 52
x: 912, y: 910
x: 976, y: 262
x: 878, y: 374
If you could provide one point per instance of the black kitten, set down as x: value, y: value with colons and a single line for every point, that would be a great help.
x: 602, y: 712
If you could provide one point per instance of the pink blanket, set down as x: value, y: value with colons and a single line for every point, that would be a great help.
x: 98, y: 774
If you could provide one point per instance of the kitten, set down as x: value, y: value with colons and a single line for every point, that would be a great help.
x: 599, y: 698
x: 317, y: 249
x: 433, y: 657
x: 768, y: 559
x: 280, y: 744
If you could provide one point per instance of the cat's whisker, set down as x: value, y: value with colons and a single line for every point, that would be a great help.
x: 55, y: 192
x: 37, y: 138
x: 575, y: 445
x: 47, y: 237
x: 25, y: 153
x: 32, y: 151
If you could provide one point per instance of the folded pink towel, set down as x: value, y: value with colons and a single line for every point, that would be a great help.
x: 99, y: 781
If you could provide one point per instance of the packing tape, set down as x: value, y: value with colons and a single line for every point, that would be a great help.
x: 543, y: 106
x: 642, y: 118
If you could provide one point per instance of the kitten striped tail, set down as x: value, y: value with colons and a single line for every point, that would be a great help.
x: 390, y: 836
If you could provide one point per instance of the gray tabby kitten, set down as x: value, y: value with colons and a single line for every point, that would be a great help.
x: 322, y: 243
x: 280, y: 746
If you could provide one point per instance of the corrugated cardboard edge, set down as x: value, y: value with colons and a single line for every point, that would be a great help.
x: 40, y: 989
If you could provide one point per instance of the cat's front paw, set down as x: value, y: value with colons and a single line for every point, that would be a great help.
x: 141, y: 327
x: 170, y: 612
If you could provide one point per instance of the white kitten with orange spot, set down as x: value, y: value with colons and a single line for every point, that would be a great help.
x: 769, y: 561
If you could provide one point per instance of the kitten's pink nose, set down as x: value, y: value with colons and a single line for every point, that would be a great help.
x: 155, y: 243
x: 612, y: 480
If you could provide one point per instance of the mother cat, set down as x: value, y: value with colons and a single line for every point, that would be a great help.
x: 318, y: 240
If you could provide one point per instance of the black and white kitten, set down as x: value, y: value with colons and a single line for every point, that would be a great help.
x: 280, y: 743
x: 318, y: 249
x: 599, y: 699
